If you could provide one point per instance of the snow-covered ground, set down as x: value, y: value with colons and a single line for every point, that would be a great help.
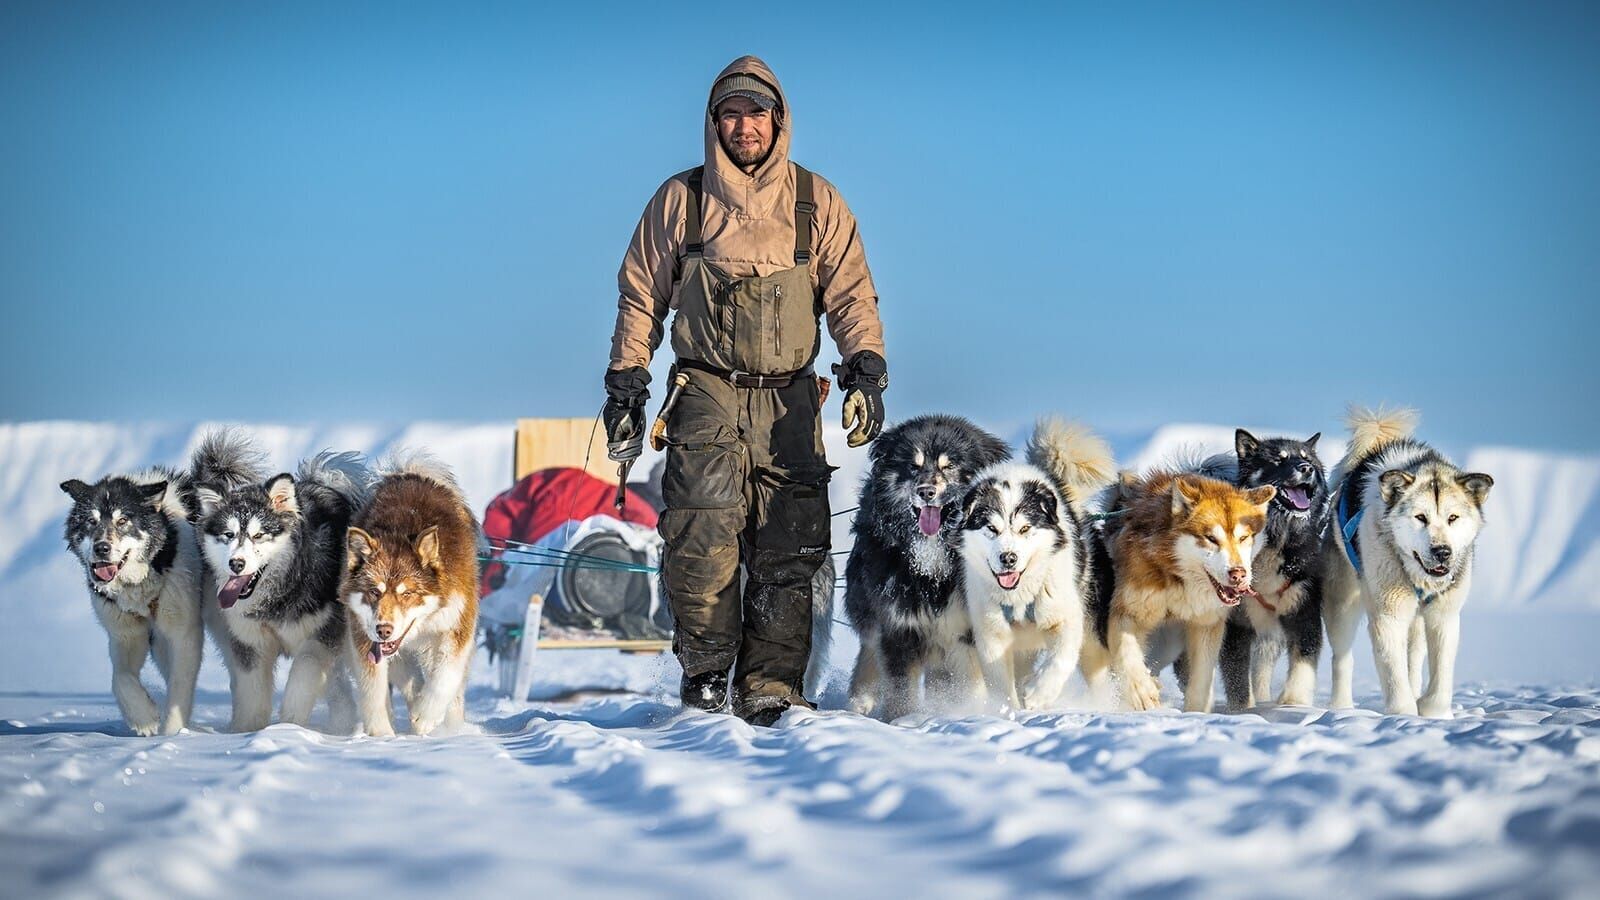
x: 601, y: 784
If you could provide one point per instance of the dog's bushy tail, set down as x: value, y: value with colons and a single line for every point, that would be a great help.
x: 226, y: 460
x: 421, y: 463
x: 344, y: 472
x: 1077, y: 458
x: 1373, y: 429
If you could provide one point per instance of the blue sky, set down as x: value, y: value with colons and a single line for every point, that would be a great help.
x: 1245, y: 214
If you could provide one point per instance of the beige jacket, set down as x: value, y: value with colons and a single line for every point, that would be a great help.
x: 748, y: 229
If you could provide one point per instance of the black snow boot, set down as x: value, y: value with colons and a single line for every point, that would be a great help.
x: 764, y: 710
x: 707, y: 691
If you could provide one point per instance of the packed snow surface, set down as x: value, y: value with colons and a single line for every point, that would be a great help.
x: 599, y: 783
x: 627, y: 795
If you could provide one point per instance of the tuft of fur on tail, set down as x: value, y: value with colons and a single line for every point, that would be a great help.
x: 421, y: 463
x: 343, y: 472
x: 1077, y: 458
x: 227, y: 460
x: 1372, y: 429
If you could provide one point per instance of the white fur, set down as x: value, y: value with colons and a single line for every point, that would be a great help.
x: 1401, y: 626
x: 430, y: 673
x: 147, y: 614
x: 1026, y: 639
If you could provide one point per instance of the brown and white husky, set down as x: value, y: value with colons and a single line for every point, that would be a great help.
x: 411, y: 589
x: 1182, y: 546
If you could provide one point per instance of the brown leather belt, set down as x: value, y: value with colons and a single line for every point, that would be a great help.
x: 746, y: 379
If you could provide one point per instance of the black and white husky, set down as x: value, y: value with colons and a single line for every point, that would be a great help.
x: 1407, y: 521
x: 1029, y: 572
x: 1285, y: 607
x: 135, y: 537
x: 276, y: 551
x: 903, y: 577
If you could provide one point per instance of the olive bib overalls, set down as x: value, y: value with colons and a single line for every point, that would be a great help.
x: 746, y: 479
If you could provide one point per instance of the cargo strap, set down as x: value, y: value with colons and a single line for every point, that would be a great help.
x: 805, y: 209
x: 1348, y: 526
x: 745, y: 379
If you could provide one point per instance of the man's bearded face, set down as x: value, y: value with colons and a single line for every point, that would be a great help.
x: 745, y: 130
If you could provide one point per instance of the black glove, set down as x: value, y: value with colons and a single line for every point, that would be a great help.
x: 863, y: 378
x: 626, y: 391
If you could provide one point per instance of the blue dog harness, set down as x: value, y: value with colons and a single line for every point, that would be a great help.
x: 1347, y: 534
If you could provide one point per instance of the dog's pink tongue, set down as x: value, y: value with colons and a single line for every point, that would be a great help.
x: 106, y: 572
x: 1297, y: 497
x: 375, y: 654
x: 228, y: 594
x: 1008, y: 580
x: 929, y: 518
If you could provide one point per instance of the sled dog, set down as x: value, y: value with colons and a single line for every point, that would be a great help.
x: 1028, y: 563
x: 276, y: 552
x: 1406, y: 523
x: 903, y: 576
x: 1285, y: 607
x: 135, y: 538
x: 1182, y: 547
x: 411, y: 585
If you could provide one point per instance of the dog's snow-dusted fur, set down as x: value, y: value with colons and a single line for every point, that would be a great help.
x: 903, y: 576
x: 1286, y: 606
x: 276, y: 552
x: 411, y: 586
x: 1028, y: 566
x: 1416, y: 539
x: 1182, y: 546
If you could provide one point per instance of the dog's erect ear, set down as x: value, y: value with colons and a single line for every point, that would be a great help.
x: 358, y: 546
x: 1048, y: 505
x: 209, y: 500
x: 77, y: 490
x: 428, y: 546
x: 1392, y: 483
x: 1311, y: 442
x: 1477, y: 484
x: 1244, y: 443
x: 1185, y: 494
x: 280, y: 491
x: 968, y: 504
x: 1261, y: 496
x: 152, y: 493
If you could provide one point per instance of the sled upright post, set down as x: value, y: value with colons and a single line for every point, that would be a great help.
x: 528, y: 648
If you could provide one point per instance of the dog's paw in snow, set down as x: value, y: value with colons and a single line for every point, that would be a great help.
x: 1143, y: 692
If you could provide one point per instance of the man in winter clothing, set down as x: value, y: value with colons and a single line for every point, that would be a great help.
x: 746, y: 251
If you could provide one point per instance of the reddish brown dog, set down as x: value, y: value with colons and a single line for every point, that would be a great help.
x: 411, y: 586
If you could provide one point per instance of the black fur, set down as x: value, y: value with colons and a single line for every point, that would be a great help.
x: 308, y: 580
x: 1297, y: 536
x: 880, y: 575
x: 142, y: 517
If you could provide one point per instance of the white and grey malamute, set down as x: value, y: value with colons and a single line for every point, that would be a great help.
x: 1407, y: 521
x: 1028, y: 563
x: 276, y: 550
x: 135, y: 537
x: 903, y: 577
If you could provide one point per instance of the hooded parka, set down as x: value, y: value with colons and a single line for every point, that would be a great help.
x: 746, y: 479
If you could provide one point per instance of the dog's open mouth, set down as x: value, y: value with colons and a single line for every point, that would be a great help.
x: 380, y: 650
x: 929, y: 518
x: 104, y: 572
x: 1295, y: 496
x: 237, y: 588
x: 1438, y: 571
x: 1229, y: 595
x: 1008, y: 579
